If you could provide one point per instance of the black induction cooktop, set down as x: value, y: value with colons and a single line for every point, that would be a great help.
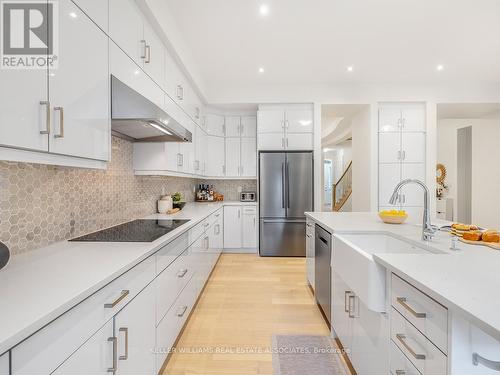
x: 133, y: 231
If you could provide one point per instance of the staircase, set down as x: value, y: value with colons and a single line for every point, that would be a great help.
x: 342, y: 189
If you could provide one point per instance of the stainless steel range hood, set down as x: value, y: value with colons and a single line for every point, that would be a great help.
x: 139, y: 119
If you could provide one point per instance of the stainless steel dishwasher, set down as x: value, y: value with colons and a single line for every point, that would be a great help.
x: 322, y: 271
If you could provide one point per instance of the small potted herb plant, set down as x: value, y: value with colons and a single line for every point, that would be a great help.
x: 178, y: 202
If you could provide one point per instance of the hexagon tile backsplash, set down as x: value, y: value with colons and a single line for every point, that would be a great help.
x: 41, y: 204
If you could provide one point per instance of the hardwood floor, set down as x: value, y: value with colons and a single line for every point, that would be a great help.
x: 247, y: 300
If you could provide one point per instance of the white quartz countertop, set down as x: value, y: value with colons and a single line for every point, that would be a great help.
x: 466, y: 281
x: 38, y: 286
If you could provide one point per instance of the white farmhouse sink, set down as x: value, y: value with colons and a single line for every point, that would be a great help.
x: 352, y: 259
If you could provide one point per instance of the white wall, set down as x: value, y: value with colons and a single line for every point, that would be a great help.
x: 361, y: 160
x: 485, y: 157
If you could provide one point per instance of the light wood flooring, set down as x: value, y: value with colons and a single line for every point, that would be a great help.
x: 246, y: 301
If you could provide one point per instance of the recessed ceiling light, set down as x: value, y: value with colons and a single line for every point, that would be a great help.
x: 264, y: 9
x: 261, y: 70
x: 350, y: 68
x: 439, y: 67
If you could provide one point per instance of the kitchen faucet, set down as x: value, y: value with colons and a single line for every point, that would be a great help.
x: 428, y: 230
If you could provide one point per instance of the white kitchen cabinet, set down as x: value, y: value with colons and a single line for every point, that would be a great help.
x: 389, y: 177
x: 80, y: 102
x: 342, y: 324
x: 233, y: 221
x: 249, y: 223
x: 412, y: 194
x: 233, y: 151
x: 413, y: 147
x: 248, y: 157
x: 200, y: 149
x: 4, y: 364
x: 135, y: 330
x: 215, y: 156
x: 97, y: 10
x: 299, y: 142
x: 270, y: 141
x: 215, y: 124
x: 248, y: 126
x: 233, y: 126
x: 271, y: 121
x: 406, y: 117
x: 216, y: 235
x: 154, y: 62
x: 126, y: 28
x: 173, y: 76
x: 389, y: 147
x: 310, y: 252
x: 413, y: 118
x: 299, y: 120
x: 187, y: 154
x: 96, y: 356
x: 156, y: 156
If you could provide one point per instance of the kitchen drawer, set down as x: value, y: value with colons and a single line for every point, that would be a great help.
x: 423, y: 312
x: 172, y: 281
x: 167, y: 254
x: 213, y: 218
x: 4, y: 364
x: 424, y: 355
x: 196, y: 231
x: 48, y: 348
x: 170, y: 326
x: 250, y: 210
x: 399, y: 364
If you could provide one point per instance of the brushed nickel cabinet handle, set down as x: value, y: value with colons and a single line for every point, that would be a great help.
x: 352, y: 306
x: 114, y: 341
x: 148, y: 54
x: 47, y: 117
x: 182, y: 273
x: 61, y: 122
x: 346, y: 294
x: 144, y: 45
x: 402, y: 339
x: 403, y: 302
x: 479, y: 360
x: 181, y: 311
x: 123, y: 294
x: 125, y: 356
x: 400, y: 372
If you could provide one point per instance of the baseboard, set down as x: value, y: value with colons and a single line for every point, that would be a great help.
x: 240, y: 251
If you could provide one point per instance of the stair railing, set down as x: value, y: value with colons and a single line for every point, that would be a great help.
x: 342, y: 189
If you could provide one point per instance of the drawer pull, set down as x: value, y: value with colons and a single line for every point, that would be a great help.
x: 478, y: 360
x: 181, y: 311
x: 400, y: 372
x: 402, y: 339
x: 125, y: 356
x: 114, y: 341
x: 123, y: 294
x: 402, y: 302
x: 182, y: 273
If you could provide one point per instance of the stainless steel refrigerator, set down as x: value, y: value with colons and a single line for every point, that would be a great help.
x: 285, y: 193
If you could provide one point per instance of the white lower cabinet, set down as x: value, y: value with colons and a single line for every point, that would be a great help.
x: 249, y: 232
x: 96, y: 356
x: 310, y: 252
x: 399, y: 364
x: 233, y: 227
x: 342, y: 323
x: 4, y: 364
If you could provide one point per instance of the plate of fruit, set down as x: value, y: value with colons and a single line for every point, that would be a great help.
x: 393, y: 216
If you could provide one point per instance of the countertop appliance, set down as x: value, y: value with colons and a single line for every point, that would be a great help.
x: 285, y: 194
x: 136, y: 118
x: 322, y: 271
x: 134, y: 231
x: 248, y: 196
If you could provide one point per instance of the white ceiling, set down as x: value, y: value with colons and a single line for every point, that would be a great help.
x: 467, y: 110
x: 309, y: 42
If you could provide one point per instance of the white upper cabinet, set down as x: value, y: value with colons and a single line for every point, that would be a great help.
x: 389, y: 119
x: 299, y: 142
x: 186, y: 150
x: 154, y: 60
x: 4, y: 364
x: 413, y: 118
x: 215, y: 156
x: 156, y: 156
x: 200, y: 149
x: 390, y: 147
x: 248, y: 126
x: 126, y: 28
x: 271, y: 141
x: 233, y: 124
x: 233, y: 150
x: 215, y: 124
x: 299, y: 121
x: 79, y: 88
x: 413, y: 147
x: 271, y: 121
x: 97, y: 10
x: 248, y: 157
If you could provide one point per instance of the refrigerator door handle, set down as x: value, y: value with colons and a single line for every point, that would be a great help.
x: 283, y: 185
x: 287, y: 171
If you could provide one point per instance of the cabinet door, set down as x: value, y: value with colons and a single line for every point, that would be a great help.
x: 154, y: 63
x: 413, y: 118
x: 310, y: 252
x: 97, y: 10
x: 233, y: 124
x: 341, y: 323
x: 248, y: 157
x: 215, y: 124
x: 299, y: 142
x: 233, y: 157
x: 217, y: 236
x: 95, y: 357
x: 370, y: 340
x: 232, y: 227
x: 172, y: 76
x: 80, y: 116
x: 215, y: 156
x: 389, y: 119
x: 271, y: 121
x: 186, y: 150
x: 126, y: 28
x: 249, y: 126
x: 389, y: 147
x: 249, y: 239
x: 413, y: 147
x: 4, y: 364
x: 389, y: 175
x: 136, y: 334
x: 156, y: 156
x: 412, y: 194
x: 200, y: 150
x: 299, y: 121
x: 271, y: 141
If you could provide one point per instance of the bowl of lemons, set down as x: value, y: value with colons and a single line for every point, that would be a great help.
x: 393, y: 216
